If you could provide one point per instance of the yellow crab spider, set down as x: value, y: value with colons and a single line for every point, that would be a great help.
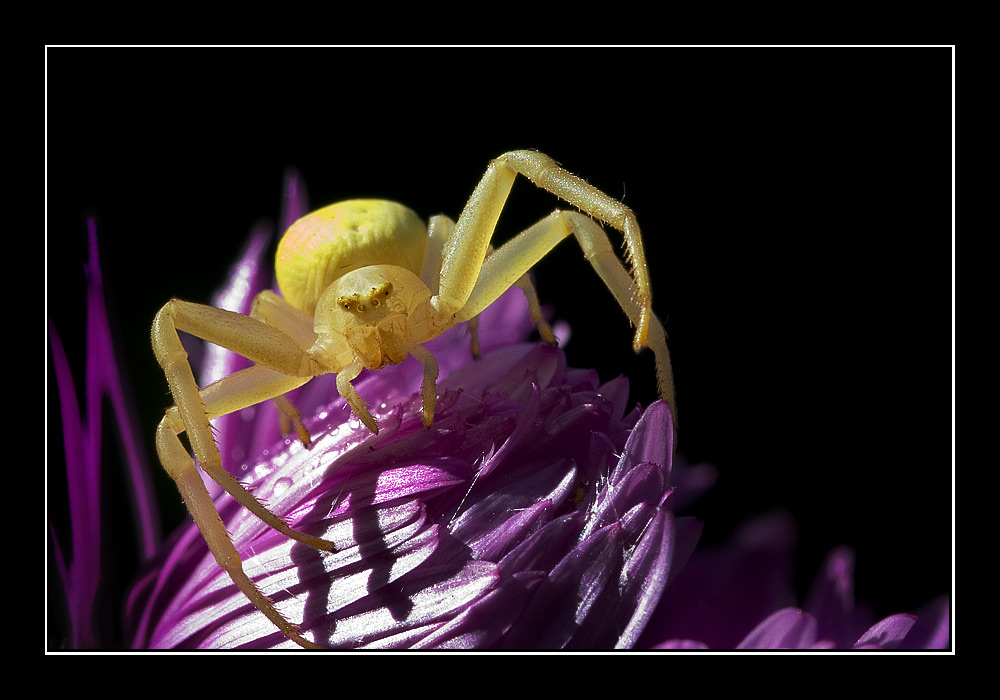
x: 364, y: 283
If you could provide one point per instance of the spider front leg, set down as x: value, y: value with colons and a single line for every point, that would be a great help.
x: 439, y: 233
x: 181, y: 468
x: 504, y: 267
x: 476, y: 224
x: 428, y: 389
x: 471, y: 280
x: 278, y: 313
x: 282, y: 366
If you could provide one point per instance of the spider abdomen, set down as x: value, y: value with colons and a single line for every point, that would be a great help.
x: 330, y: 242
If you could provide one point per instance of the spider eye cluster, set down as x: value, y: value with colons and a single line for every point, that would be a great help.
x: 370, y: 300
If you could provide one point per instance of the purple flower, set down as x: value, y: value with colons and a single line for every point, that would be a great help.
x: 740, y: 596
x: 537, y: 512
x: 534, y: 513
x: 511, y: 522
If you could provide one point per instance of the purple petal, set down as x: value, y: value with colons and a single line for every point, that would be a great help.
x: 81, y: 575
x: 652, y: 440
x: 933, y: 627
x: 429, y: 596
x: 681, y: 644
x: 626, y: 608
x: 542, y: 550
x: 484, y: 623
x: 643, y: 481
x: 887, y: 633
x: 831, y: 600
x: 786, y: 629
x: 490, y: 514
x: 564, y: 599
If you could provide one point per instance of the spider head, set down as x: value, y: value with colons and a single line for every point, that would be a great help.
x: 373, y: 309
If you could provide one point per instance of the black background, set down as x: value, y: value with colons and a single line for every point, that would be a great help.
x: 795, y: 204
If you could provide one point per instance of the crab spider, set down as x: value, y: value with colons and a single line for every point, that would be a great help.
x: 364, y: 284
